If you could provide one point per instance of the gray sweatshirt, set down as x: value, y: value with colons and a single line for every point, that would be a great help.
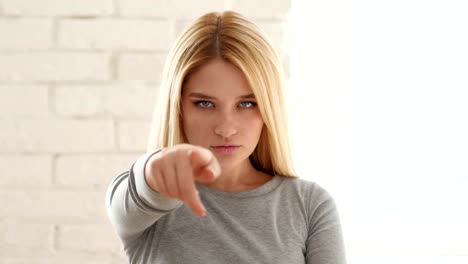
x: 283, y: 221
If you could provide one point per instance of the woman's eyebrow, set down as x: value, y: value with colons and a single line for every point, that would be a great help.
x: 204, y: 96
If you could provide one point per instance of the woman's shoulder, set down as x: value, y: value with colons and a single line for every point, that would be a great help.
x: 306, y: 188
x: 315, y: 199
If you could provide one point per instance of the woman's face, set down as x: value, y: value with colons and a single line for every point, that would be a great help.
x: 219, y: 109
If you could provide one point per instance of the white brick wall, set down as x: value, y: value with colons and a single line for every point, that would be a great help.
x: 78, y: 82
x: 25, y: 33
x: 113, y: 34
x: 168, y: 8
x: 87, y: 238
x: 262, y: 8
x: 18, y: 175
x: 130, y: 100
x: 141, y: 66
x: 52, y: 136
x: 54, y: 205
x: 90, y: 170
x: 54, y: 66
x: 19, y: 235
x: 24, y: 101
x: 133, y: 134
x: 57, y: 7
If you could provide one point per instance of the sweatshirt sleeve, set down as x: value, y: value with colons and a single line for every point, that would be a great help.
x: 324, y: 243
x: 132, y: 206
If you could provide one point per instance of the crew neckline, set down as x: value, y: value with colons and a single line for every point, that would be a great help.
x: 260, y: 190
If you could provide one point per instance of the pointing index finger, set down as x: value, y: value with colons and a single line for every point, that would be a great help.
x: 190, y: 193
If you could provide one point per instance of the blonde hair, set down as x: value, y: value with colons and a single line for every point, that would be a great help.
x: 230, y: 36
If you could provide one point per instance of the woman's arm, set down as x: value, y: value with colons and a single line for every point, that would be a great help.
x: 132, y: 206
x: 324, y: 243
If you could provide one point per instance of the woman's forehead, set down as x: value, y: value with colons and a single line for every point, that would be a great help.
x: 218, y: 76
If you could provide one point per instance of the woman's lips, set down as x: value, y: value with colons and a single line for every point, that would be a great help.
x: 225, y: 149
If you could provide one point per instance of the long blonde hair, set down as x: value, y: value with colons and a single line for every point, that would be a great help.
x: 232, y: 37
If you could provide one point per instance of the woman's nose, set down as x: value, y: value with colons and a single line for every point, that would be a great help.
x: 226, y: 126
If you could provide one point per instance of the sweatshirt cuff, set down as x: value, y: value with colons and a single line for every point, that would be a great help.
x: 148, y: 195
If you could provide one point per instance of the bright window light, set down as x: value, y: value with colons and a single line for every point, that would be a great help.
x: 378, y: 100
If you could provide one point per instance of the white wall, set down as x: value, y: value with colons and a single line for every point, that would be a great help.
x: 398, y: 113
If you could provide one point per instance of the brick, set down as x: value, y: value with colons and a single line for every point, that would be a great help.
x: 79, y: 101
x: 26, y: 235
x: 143, y: 7
x: 91, y: 170
x: 123, y: 101
x: 179, y: 27
x: 158, y: 8
x: 22, y: 255
x: 58, y: 7
x: 133, y: 135
x: 133, y: 101
x: 94, y: 237
x: 26, y: 170
x: 262, y: 8
x: 19, y: 101
x: 56, y: 135
x: 121, y: 34
x: 25, y: 34
x: 54, y: 66
x: 168, y: 8
x: 28, y: 256
x: 144, y: 67
x: 65, y: 206
x: 119, y: 258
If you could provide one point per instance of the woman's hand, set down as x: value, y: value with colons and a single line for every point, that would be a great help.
x: 174, y: 171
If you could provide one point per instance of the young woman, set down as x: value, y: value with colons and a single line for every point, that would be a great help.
x: 216, y: 184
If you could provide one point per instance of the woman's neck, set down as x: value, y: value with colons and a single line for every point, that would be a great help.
x: 239, y: 178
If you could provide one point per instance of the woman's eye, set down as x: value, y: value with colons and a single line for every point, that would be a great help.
x: 208, y: 104
x: 248, y: 104
x: 203, y: 104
